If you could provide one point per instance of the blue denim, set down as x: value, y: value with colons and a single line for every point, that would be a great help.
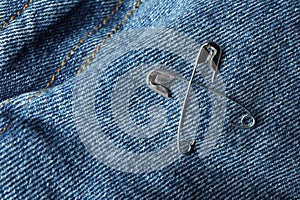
x: 103, y: 134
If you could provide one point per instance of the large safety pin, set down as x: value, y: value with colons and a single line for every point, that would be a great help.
x: 160, y: 81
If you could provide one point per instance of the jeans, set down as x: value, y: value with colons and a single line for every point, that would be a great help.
x: 77, y: 120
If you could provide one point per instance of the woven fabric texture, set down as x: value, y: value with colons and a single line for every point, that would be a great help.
x: 77, y: 120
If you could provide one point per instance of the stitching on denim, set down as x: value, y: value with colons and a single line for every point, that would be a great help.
x: 96, y: 28
x: 35, y: 95
x: 5, y: 102
x: 13, y: 17
x: 80, y: 42
x: 4, y: 129
x: 83, y: 67
x: 89, y: 59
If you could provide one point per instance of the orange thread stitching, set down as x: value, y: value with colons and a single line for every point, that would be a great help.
x: 5, y: 102
x: 2, y: 105
x: 96, y: 28
x: 13, y: 17
x: 4, y: 129
x: 90, y: 58
x: 136, y: 5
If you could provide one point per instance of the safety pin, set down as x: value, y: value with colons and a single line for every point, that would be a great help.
x: 160, y: 81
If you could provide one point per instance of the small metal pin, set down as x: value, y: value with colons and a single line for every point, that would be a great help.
x: 160, y: 81
x: 209, y: 53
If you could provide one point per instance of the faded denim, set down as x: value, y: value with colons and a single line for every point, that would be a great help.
x: 103, y: 134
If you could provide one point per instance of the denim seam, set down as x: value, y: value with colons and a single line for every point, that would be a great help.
x: 4, y: 129
x: 89, y: 59
x: 80, y: 42
x: 5, y: 102
x: 13, y: 17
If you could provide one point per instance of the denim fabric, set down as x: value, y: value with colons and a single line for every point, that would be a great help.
x: 103, y: 134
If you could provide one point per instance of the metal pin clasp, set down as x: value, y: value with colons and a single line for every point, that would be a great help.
x: 210, y: 53
x: 159, y: 81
